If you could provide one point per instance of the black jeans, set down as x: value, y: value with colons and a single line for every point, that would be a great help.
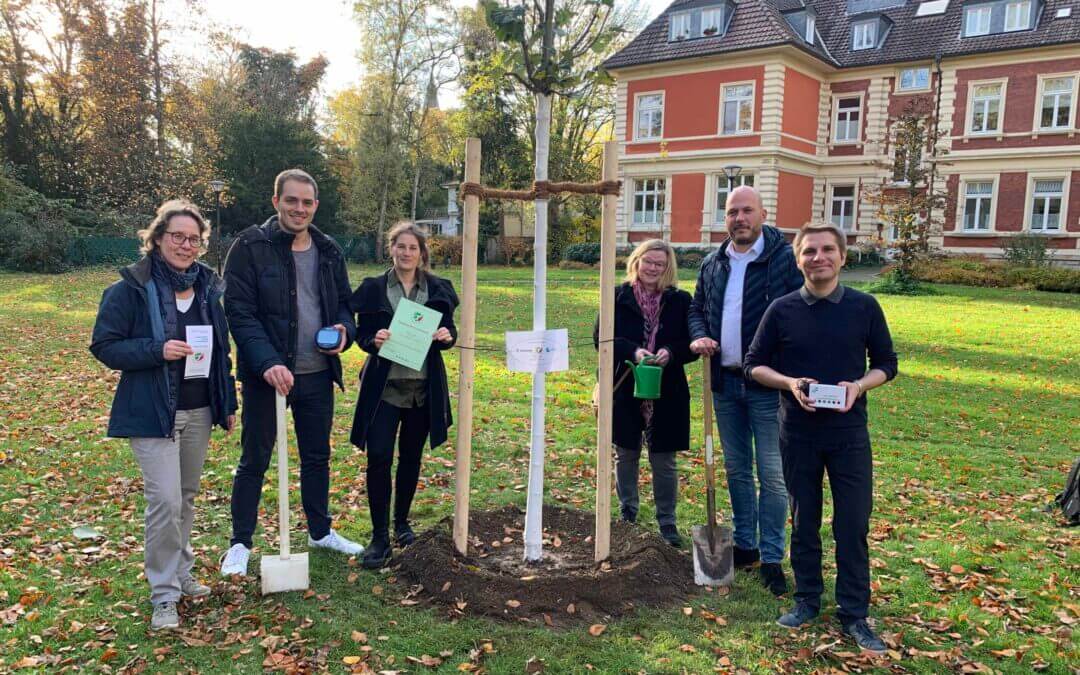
x: 413, y: 424
x: 847, y: 458
x: 312, y: 403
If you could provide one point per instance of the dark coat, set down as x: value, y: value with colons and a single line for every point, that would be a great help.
x: 771, y: 275
x: 260, y: 298
x: 671, y: 412
x: 129, y: 335
x: 373, y: 313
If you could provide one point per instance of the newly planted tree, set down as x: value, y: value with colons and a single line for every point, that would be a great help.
x: 545, y: 67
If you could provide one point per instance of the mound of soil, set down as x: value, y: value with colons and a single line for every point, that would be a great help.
x: 565, y: 588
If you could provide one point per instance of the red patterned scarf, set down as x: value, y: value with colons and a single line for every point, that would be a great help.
x: 649, y: 302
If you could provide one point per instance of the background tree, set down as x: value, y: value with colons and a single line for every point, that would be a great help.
x: 911, y: 205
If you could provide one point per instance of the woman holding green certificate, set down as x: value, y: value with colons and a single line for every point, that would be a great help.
x: 397, y: 401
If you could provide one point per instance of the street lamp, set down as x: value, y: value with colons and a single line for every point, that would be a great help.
x: 732, y: 172
x: 218, y: 186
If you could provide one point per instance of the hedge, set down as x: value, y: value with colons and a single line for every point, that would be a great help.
x: 970, y: 271
x: 589, y: 253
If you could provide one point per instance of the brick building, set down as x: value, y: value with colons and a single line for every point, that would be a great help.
x: 800, y: 94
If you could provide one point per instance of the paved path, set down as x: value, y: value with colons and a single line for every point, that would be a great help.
x: 861, y: 274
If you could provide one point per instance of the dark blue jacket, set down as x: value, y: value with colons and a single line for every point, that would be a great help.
x: 129, y: 335
x: 772, y: 275
x: 260, y: 298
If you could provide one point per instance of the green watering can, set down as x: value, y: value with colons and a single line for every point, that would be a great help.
x: 646, y: 379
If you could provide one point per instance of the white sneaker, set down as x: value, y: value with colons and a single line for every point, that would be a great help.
x: 336, y: 542
x: 235, y: 560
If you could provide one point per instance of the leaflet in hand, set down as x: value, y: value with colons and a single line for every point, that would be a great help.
x: 411, y: 332
x: 201, y: 340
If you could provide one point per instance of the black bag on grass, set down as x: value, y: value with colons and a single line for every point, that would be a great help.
x: 1069, y: 499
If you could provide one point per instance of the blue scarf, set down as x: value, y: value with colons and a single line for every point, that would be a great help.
x: 168, y: 277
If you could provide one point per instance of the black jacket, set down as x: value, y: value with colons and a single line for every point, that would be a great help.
x: 671, y: 412
x: 260, y: 298
x: 129, y: 335
x: 771, y: 275
x: 373, y: 312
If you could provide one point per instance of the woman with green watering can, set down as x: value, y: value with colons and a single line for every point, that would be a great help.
x: 651, y: 398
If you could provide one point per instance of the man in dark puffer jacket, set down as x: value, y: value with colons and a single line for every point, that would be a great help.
x: 735, y: 285
x: 284, y: 281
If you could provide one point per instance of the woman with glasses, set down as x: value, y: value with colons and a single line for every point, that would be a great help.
x: 651, y: 327
x: 163, y: 327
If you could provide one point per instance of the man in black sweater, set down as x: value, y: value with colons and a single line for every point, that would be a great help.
x: 824, y: 333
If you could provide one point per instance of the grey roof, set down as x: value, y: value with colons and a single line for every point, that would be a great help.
x: 759, y: 23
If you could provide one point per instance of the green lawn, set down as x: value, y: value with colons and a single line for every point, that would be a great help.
x: 970, y: 443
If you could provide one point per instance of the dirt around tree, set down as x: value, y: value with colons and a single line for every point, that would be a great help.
x: 565, y: 588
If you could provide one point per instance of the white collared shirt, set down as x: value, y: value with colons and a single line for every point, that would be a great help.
x: 731, y: 323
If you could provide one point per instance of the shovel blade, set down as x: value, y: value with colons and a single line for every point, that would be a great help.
x: 713, y: 565
x: 280, y: 575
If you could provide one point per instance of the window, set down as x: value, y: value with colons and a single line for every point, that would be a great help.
x: 1017, y: 15
x: 712, y: 21
x: 1046, y: 205
x: 977, y: 20
x: 650, y: 117
x: 906, y: 161
x: 1056, y: 112
x: 986, y: 108
x: 649, y: 201
x: 977, y: 200
x: 864, y: 35
x: 843, y: 206
x: 914, y: 79
x: 738, y: 110
x: 680, y: 25
x: 722, y: 191
x: 846, y: 128
x: 811, y: 24
x: 932, y: 7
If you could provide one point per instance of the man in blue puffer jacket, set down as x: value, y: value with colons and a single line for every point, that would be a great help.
x: 736, y: 283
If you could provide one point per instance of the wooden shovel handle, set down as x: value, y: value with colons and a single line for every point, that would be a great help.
x: 710, y: 479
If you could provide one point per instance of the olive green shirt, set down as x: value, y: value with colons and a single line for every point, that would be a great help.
x: 405, y: 387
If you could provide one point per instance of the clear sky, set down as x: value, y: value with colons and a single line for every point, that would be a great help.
x: 314, y: 27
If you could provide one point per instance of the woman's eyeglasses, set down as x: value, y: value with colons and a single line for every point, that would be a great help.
x: 179, y: 239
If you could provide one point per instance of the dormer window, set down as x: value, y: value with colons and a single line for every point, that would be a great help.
x: 1002, y: 16
x: 680, y: 25
x: 700, y: 22
x: 1017, y: 15
x: 810, y: 26
x: 864, y: 35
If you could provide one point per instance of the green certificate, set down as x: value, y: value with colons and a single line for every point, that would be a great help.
x: 411, y: 331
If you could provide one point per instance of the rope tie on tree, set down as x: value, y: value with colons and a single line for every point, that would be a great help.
x: 542, y: 189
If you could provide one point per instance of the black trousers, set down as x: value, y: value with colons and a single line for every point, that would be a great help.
x: 847, y: 459
x: 410, y: 427
x: 312, y: 403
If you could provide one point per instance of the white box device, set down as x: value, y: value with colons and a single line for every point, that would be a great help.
x: 828, y: 396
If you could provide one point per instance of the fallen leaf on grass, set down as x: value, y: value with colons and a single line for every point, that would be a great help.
x: 446, y: 587
x: 352, y: 660
x: 687, y: 611
x: 513, y: 604
x: 357, y: 636
x: 597, y: 629
x: 570, y: 609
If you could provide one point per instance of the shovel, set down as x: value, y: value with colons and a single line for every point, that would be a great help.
x: 714, y: 564
x: 286, y: 571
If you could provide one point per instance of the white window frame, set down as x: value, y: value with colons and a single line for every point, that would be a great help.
x: 1021, y: 8
x: 984, y: 11
x: 1040, y: 93
x: 677, y: 20
x: 660, y: 200
x: 970, y: 113
x: 719, y: 12
x: 900, y: 79
x: 1029, y: 203
x: 864, y: 35
x: 723, y: 99
x: 961, y: 204
x: 853, y: 214
x: 811, y: 27
x: 720, y: 210
x: 637, y: 114
x: 836, y: 119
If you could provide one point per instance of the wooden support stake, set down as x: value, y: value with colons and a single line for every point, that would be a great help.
x: 602, y: 538
x: 467, y: 341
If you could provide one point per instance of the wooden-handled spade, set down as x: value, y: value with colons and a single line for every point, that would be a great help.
x: 714, y: 564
